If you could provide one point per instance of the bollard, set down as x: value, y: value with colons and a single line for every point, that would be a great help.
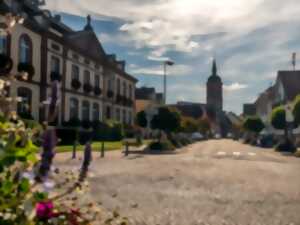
x: 74, y: 150
x: 87, y: 158
x: 102, y: 150
x: 126, y: 148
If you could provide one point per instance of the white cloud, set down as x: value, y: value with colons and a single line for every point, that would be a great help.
x: 176, y: 70
x: 252, y: 50
x: 235, y: 87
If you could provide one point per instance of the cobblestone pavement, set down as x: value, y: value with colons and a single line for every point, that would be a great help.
x: 218, y: 182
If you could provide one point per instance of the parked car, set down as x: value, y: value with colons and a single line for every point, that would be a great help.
x: 217, y: 136
x: 197, y: 136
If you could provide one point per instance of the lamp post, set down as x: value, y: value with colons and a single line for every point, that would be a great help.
x: 166, y: 63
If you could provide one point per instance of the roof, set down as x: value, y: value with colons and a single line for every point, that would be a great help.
x: 145, y: 93
x: 87, y: 40
x: 291, y: 83
x: 194, y: 110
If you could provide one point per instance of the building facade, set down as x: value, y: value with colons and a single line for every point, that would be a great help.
x: 94, y: 85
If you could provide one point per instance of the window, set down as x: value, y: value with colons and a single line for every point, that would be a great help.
x: 75, y: 56
x: 74, y: 108
x: 3, y: 45
x: 75, y: 72
x: 129, y: 117
x: 124, y: 89
x: 55, y: 47
x: 24, y: 107
x: 118, y: 86
x: 85, y: 110
x: 110, y: 85
x: 96, y: 112
x: 108, y: 112
x: 130, y: 91
x: 118, y: 114
x: 55, y: 64
x: 97, y: 81
x: 124, y: 116
x: 87, y: 77
x: 25, y: 49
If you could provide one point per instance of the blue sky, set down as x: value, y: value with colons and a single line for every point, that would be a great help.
x: 251, y: 40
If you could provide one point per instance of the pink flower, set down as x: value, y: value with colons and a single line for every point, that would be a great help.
x: 44, y: 210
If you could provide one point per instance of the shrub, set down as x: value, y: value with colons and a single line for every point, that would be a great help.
x: 26, y: 115
x: 76, y: 84
x: 26, y: 67
x: 86, y: 124
x: 6, y: 64
x: 87, y: 88
x: 97, y: 91
x: 253, y: 124
x: 67, y: 136
x: 110, y: 94
x: 296, y: 110
x: 162, y: 146
x: 101, y: 131
x: 74, y: 123
x: 116, y: 132
x: 278, y: 119
x: 141, y: 119
x: 166, y: 120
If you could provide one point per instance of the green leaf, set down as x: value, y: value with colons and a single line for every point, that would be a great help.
x: 8, y: 161
x: 7, y: 187
x: 31, y: 158
x: 40, y: 196
x: 24, y: 186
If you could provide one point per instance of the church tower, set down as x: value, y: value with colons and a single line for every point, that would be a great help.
x: 214, y: 90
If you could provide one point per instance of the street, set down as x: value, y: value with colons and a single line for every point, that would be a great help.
x: 217, y: 182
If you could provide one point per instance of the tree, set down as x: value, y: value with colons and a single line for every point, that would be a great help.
x: 166, y: 120
x: 253, y: 124
x: 141, y: 119
x: 278, y: 119
x: 296, y: 110
x: 204, y: 126
x: 189, y: 125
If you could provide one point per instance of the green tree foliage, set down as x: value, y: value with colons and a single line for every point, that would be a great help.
x: 278, y: 119
x: 253, y: 124
x: 296, y: 110
x: 166, y: 120
x: 189, y: 125
x: 141, y: 119
x: 204, y: 126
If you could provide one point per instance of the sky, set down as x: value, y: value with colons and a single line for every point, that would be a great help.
x: 251, y: 41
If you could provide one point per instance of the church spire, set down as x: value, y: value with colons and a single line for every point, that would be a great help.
x: 88, y: 26
x: 214, y: 68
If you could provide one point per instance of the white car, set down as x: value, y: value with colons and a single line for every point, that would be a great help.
x: 217, y: 136
x: 197, y: 136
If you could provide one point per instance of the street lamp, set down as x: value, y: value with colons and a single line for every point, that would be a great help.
x: 166, y: 63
